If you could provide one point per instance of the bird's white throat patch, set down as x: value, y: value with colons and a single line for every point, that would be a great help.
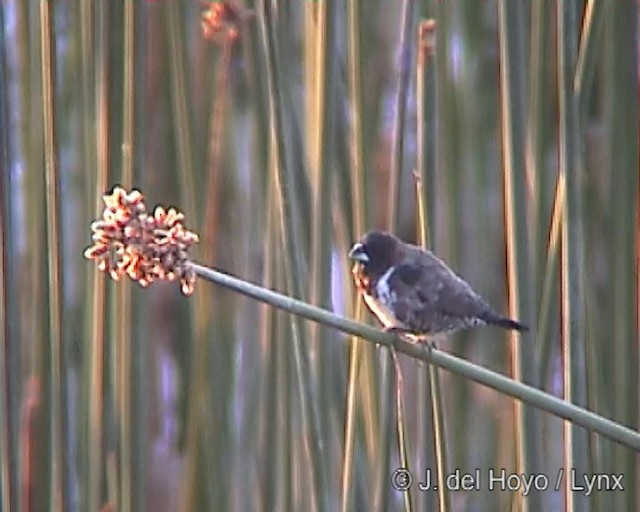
x: 382, y: 305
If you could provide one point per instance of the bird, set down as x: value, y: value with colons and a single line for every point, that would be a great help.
x: 412, y: 292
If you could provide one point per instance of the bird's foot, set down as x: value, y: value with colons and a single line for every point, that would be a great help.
x: 411, y: 337
x: 398, y: 331
x: 407, y: 335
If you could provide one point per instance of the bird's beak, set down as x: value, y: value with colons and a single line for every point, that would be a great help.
x: 357, y: 253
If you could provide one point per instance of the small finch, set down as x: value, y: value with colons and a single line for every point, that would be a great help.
x: 413, y: 292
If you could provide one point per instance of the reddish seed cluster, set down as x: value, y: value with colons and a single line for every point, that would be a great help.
x: 222, y: 20
x: 427, y: 38
x: 146, y: 247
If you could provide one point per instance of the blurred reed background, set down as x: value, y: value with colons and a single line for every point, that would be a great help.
x: 284, y: 130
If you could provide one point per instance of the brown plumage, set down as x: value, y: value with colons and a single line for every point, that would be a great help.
x: 410, y: 290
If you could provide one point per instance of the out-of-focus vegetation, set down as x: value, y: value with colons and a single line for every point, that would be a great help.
x: 284, y: 130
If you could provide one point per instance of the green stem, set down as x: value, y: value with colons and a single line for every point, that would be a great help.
x: 428, y: 382
x: 58, y: 495
x: 309, y: 411
x: 130, y: 480
x: 522, y: 392
x: 404, y: 83
x: 400, y: 423
x: 9, y: 337
x: 520, y: 286
x: 587, y: 52
x: 576, y: 441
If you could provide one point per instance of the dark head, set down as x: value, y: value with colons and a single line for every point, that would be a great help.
x: 376, y: 252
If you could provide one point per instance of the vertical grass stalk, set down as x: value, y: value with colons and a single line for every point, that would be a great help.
x: 56, y: 377
x: 201, y: 316
x: 590, y: 36
x: 271, y: 478
x: 358, y: 360
x: 433, y: 383
x: 523, y: 356
x: 323, y: 169
x: 544, y: 249
x: 576, y: 449
x: 621, y: 121
x: 97, y: 289
x: 429, y: 410
x: 409, y: 10
x: 537, y: 126
x: 549, y: 283
x: 9, y: 315
x: 407, y: 39
x: 309, y: 414
x: 208, y: 306
x: 400, y: 425
x: 130, y: 481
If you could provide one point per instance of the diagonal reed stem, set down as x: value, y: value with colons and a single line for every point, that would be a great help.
x: 522, y: 392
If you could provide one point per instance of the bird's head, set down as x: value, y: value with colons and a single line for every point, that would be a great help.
x: 375, y: 253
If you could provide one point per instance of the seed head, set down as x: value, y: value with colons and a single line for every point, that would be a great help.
x: 223, y: 21
x: 128, y: 241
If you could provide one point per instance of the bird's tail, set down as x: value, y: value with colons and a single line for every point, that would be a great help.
x: 505, y: 323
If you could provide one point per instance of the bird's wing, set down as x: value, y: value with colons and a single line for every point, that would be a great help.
x: 428, y: 293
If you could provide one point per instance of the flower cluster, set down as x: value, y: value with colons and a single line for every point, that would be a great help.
x: 222, y: 21
x: 146, y: 247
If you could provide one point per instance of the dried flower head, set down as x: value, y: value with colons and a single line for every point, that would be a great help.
x: 427, y: 38
x: 222, y: 21
x: 146, y: 247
